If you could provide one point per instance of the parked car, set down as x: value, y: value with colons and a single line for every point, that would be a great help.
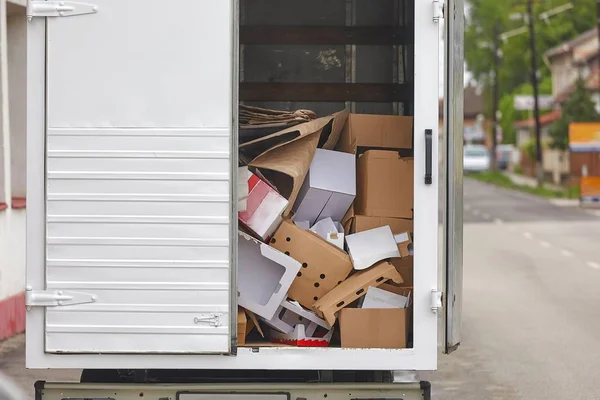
x: 476, y: 158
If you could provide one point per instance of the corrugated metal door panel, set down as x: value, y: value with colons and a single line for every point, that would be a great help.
x: 138, y: 177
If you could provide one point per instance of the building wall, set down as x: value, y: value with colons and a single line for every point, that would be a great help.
x: 12, y: 219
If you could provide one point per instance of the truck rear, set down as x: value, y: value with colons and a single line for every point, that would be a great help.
x: 149, y: 127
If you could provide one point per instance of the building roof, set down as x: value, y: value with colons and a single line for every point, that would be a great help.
x: 592, y: 82
x: 545, y: 119
x: 567, y: 47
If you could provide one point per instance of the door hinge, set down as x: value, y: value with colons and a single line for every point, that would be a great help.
x: 211, y: 319
x: 56, y: 298
x: 38, y: 8
x: 436, y: 301
x: 438, y: 10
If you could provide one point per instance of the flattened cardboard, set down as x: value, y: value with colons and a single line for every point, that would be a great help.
x: 247, y: 322
x: 376, y: 132
x: 368, y: 247
x: 300, y: 337
x: 323, y: 264
x: 385, y: 185
x: 265, y: 275
x: 290, y: 152
x: 328, y: 189
x: 381, y: 298
x: 353, y: 288
x: 373, y: 328
x: 264, y: 207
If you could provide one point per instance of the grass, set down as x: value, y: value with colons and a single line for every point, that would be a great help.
x: 501, y: 180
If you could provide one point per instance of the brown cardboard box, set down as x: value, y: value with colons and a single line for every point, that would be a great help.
x: 404, y: 266
x: 376, y: 131
x: 353, y: 288
x: 324, y: 265
x: 361, y: 223
x: 375, y: 328
x: 384, y: 185
x: 246, y: 322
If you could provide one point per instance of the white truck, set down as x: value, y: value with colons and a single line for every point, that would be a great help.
x: 132, y: 139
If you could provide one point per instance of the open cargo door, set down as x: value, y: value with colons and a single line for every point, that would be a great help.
x: 129, y: 229
x: 453, y: 163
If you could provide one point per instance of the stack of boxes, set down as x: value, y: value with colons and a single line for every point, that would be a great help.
x: 339, y: 265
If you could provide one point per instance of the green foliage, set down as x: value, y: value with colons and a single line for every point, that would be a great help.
x: 529, y: 148
x: 579, y: 107
x: 489, y: 18
x: 501, y: 180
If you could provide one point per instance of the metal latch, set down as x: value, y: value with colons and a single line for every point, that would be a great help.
x: 211, y: 319
x: 438, y: 10
x: 436, y: 301
x: 38, y: 8
x: 56, y: 298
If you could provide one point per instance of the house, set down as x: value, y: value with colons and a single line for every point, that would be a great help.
x: 13, y: 46
x: 572, y: 59
x: 474, y: 121
x: 526, y: 128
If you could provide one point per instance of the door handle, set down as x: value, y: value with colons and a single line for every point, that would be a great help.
x: 428, y: 156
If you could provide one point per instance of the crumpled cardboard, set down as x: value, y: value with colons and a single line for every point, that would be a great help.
x: 285, y: 156
x: 353, y: 288
x: 368, y: 131
x: 324, y: 265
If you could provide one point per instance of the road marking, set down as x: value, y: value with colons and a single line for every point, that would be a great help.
x: 486, y: 216
x: 498, y: 221
x: 545, y: 244
x: 593, y: 265
x: 527, y: 235
x: 476, y: 212
x: 566, y: 253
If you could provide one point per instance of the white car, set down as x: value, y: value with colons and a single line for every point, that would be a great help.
x: 476, y: 158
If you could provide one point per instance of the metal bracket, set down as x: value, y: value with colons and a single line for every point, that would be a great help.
x: 438, y: 10
x: 56, y: 298
x: 211, y: 319
x: 436, y: 301
x: 40, y: 8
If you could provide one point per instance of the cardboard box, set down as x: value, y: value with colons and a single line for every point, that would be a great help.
x: 405, y: 246
x: 264, y: 276
x: 368, y: 247
x: 330, y: 230
x: 376, y: 132
x: 264, y: 207
x: 361, y: 223
x: 385, y: 185
x: 378, y: 328
x: 404, y: 266
x: 353, y: 288
x: 328, y: 189
x: 247, y: 322
x: 324, y: 265
x: 381, y: 298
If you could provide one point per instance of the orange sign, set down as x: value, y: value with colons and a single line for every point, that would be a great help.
x: 590, y: 188
x: 584, y: 136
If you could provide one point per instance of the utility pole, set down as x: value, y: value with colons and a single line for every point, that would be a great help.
x: 495, y: 93
x: 534, y: 82
x: 598, y: 27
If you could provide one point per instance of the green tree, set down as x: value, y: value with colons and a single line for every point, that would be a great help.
x: 579, y: 107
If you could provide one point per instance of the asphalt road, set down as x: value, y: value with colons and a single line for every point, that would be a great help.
x: 531, y: 328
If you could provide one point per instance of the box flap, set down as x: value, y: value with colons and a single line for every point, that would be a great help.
x: 331, y: 231
x: 380, y: 298
x: 354, y: 288
x: 368, y: 247
x: 323, y: 264
x: 376, y: 131
x: 362, y: 223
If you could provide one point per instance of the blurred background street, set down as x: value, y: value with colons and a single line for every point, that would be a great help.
x: 532, y: 271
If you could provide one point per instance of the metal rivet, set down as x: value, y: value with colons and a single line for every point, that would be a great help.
x: 62, y: 14
x: 62, y: 3
x: 60, y: 302
x: 60, y: 293
x: 95, y: 9
x: 94, y: 298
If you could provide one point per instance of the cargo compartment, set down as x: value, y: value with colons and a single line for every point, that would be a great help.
x: 326, y: 118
